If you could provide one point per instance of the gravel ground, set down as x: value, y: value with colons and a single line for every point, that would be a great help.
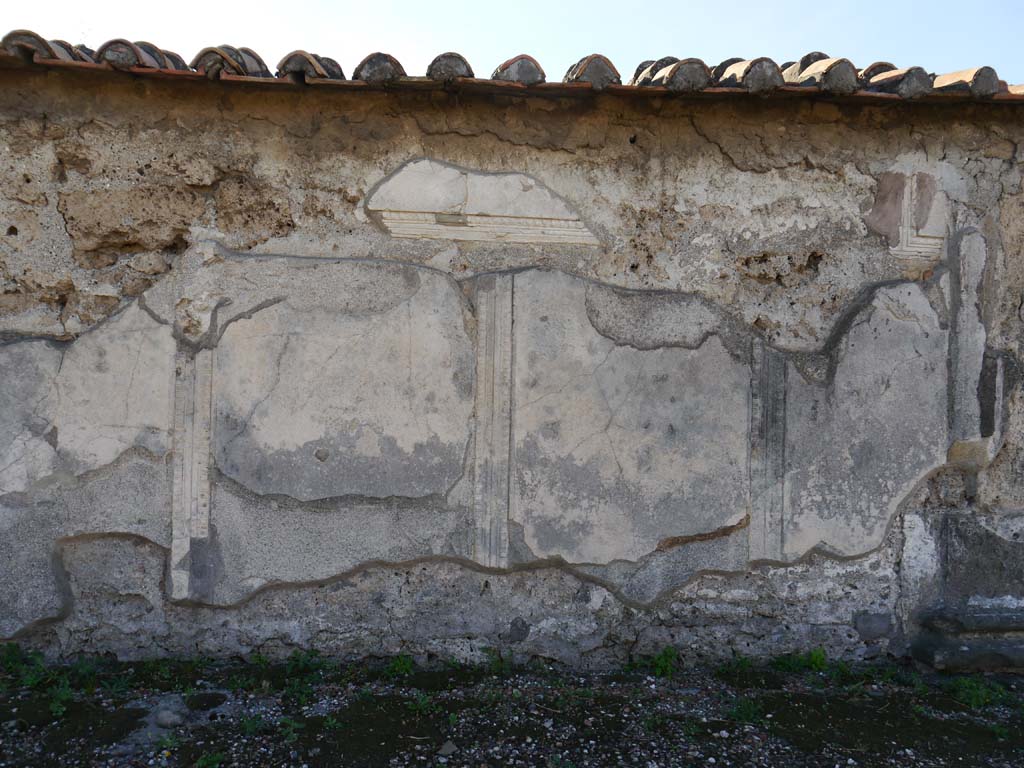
x: 312, y: 711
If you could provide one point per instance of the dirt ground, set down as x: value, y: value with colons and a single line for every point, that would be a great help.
x: 310, y: 711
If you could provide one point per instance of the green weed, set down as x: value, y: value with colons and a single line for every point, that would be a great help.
x: 814, y: 660
x: 84, y: 672
x: 663, y: 664
x: 60, y: 696
x: 240, y: 683
x: 737, y: 665
x: 169, y: 742
x: 304, y: 663
x: 655, y: 723
x: 210, y: 760
x: 746, y: 711
x: 117, y: 685
x: 497, y: 664
x: 399, y: 666
x: 290, y: 728
x: 299, y: 690
x: 975, y: 692
x: 252, y: 725
x: 422, y: 705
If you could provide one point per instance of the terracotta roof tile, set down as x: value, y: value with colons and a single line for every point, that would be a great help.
x: 594, y: 69
x: 302, y: 66
x: 875, y: 68
x: 828, y: 74
x: 75, y: 52
x: 687, y: 75
x: 228, y: 60
x: 520, y: 69
x: 909, y: 83
x: 646, y: 75
x: 980, y: 82
x: 378, y: 68
x: 719, y: 69
x: 21, y: 42
x: 756, y: 75
x: 123, y: 54
x: 791, y: 69
x: 813, y: 73
x: 449, y: 66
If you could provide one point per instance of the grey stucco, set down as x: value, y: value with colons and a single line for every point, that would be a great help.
x: 434, y: 376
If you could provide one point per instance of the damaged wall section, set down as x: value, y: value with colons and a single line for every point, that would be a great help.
x: 410, y: 373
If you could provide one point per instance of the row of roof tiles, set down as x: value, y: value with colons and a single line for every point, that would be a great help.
x: 814, y: 72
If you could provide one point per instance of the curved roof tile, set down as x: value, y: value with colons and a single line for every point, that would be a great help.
x: 520, y: 69
x: 831, y: 75
x: 378, y: 68
x: 756, y: 75
x: 309, y: 66
x: 124, y: 54
x: 980, y: 82
x: 449, y: 66
x: 718, y: 71
x: 875, y: 68
x: 814, y: 72
x: 646, y: 76
x: 228, y: 60
x: 684, y: 76
x: 594, y: 69
x: 909, y: 83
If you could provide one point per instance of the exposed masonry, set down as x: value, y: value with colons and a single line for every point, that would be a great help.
x: 400, y: 371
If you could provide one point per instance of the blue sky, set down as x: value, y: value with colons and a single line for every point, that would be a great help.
x: 941, y: 35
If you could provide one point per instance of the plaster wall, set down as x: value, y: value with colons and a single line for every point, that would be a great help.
x: 574, y: 378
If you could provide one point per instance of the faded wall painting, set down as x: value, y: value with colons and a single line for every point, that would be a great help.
x: 278, y: 419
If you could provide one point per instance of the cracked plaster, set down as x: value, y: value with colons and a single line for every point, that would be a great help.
x: 742, y: 282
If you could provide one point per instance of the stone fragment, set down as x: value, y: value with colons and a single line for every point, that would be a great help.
x: 872, y: 626
x: 168, y: 718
